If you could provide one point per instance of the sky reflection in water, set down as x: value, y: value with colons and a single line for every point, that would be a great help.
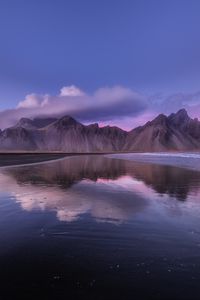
x: 91, y: 227
x: 109, y: 190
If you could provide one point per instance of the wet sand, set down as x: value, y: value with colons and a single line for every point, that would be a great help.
x: 8, y: 159
x: 21, y: 158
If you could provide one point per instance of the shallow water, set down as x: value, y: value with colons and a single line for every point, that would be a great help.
x: 93, y: 227
x: 186, y: 160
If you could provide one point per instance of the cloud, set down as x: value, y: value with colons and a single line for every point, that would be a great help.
x: 105, y: 104
x: 33, y: 101
x: 117, y: 105
x: 72, y: 91
x: 29, y: 102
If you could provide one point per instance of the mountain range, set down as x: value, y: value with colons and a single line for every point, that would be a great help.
x: 176, y: 132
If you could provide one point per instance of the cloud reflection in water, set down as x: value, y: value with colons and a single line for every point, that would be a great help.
x: 110, y: 190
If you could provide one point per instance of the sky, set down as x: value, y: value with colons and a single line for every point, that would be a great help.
x: 113, y: 62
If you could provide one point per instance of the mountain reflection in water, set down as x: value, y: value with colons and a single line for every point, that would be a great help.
x: 110, y: 190
x: 91, y: 227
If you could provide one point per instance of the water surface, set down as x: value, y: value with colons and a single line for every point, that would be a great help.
x: 93, y: 227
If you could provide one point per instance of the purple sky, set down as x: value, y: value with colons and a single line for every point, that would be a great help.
x: 112, y: 62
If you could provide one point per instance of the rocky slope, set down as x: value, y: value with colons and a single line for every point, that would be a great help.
x: 64, y: 134
x: 175, y: 132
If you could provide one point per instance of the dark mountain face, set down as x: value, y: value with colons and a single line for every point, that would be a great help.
x: 17, y: 138
x: 35, y: 123
x: 185, y: 123
x: 64, y: 134
x: 175, y: 132
x: 67, y: 134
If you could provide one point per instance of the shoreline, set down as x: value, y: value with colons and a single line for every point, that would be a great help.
x: 9, y: 159
x: 16, y: 152
x: 186, y: 160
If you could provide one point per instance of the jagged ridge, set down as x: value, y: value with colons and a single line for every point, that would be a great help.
x: 175, y: 132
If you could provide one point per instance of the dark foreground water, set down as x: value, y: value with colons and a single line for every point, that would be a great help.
x: 92, y: 227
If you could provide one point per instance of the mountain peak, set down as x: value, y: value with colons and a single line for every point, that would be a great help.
x: 160, y: 119
x: 179, y: 118
x: 25, y: 123
x: 25, y: 120
x: 182, y: 113
x: 35, y: 123
x: 66, y: 121
x: 93, y: 126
